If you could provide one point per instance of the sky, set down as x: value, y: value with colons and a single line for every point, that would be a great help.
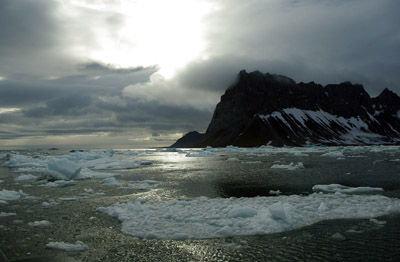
x: 141, y: 73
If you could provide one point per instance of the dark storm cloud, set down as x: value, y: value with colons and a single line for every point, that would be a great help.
x: 26, y: 23
x: 323, y: 41
x: 28, y: 90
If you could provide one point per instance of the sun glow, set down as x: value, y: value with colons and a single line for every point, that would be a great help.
x: 149, y: 32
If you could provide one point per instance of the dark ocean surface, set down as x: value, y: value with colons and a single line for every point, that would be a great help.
x: 71, y: 207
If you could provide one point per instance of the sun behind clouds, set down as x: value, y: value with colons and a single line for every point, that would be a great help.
x: 144, y: 32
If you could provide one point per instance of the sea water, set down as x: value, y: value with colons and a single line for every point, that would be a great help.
x: 213, y: 204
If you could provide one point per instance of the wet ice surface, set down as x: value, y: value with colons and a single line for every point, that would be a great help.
x: 70, y: 207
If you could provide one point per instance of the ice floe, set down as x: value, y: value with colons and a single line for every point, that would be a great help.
x: 77, y: 247
x: 10, y: 195
x: 76, y: 165
x: 142, y: 185
x: 63, y: 168
x: 42, y: 223
x: 201, y: 154
x: 46, y: 204
x: 26, y: 178
x: 332, y: 188
x: 5, y: 214
x: 338, y: 236
x: 333, y: 154
x: 203, y: 217
x: 290, y: 166
x: 111, y: 181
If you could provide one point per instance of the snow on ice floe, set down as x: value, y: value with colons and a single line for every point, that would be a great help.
x: 77, y: 247
x: 332, y: 188
x: 290, y: 166
x: 203, y: 217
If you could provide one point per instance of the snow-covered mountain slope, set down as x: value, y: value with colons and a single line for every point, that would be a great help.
x: 311, y: 127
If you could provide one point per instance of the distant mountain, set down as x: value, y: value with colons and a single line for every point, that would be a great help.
x: 262, y: 109
x: 188, y: 140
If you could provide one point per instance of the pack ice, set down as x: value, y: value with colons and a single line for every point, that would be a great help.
x: 75, y: 165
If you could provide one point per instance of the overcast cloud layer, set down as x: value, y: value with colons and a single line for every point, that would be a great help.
x: 53, y: 93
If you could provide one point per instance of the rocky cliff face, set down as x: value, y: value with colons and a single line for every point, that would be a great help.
x: 261, y: 109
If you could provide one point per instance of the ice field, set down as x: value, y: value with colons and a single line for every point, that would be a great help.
x: 90, y: 204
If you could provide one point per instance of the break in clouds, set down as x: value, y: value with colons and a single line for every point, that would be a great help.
x: 51, y: 88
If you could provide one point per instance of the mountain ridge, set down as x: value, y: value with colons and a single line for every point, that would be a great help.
x: 259, y: 109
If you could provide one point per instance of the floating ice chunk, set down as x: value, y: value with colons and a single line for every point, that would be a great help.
x: 17, y: 160
x: 42, y: 223
x: 275, y: 192
x: 49, y: 204
x: 5, y: 214
x: 63, y: 168
x: 299, y: 153
x: 81, y: 156
x: 127, y: 153
x: 28, y: 177
x: 88, y: 190
x: 251, y: 162
x: 77, y: 247
x: 333, y: 154
x: 143, y: 185
x: 338, y: 236
x: 9, y: 195
x: 200, y: 154
x: 232, y: 159
x: 378, y: 222
x: 111, y: 181
x: 203, y: 217
x: 332, y: 188
x: 1, y: 181
x: 291, y: 166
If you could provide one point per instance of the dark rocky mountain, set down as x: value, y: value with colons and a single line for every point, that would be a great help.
x: 260, y: 109
x: 188, y: 140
